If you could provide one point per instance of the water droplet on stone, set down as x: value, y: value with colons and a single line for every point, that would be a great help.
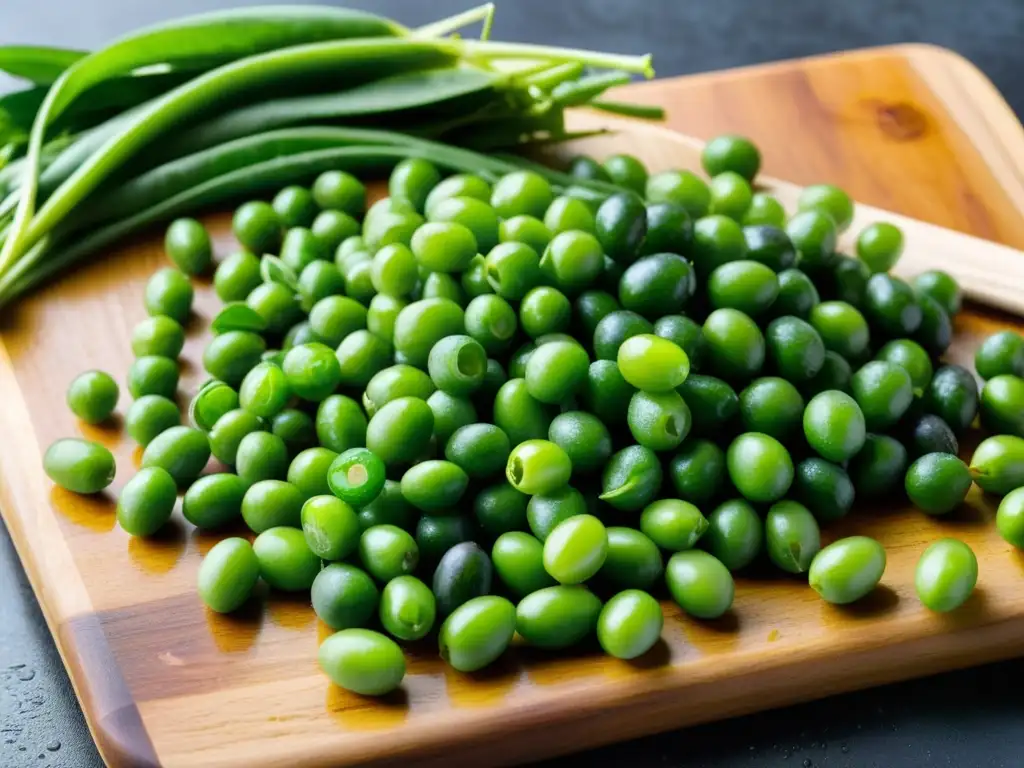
x: 807, y: 762
x: 26, y: 675
x: 22, y: 749
x: 53, y: 746
x: 844, y: 749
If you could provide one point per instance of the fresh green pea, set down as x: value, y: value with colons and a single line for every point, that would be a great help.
x: 829, y: 199
x: 884, y: 392
x: 697, y: 471
x: 229, y: 356
x: 407, y: 608
x: 878, y: 466
x: 614, y: 329
x: 524, y: 230
x: 572, y: 261
x: 476, y: 215
x: 237, y: 276
x: 477, y: 632
x: 700, y: 584
x: 228, y: 574
x: 760, y: 467
x: 591, y: 307
x: 843, y: 328
x: 387, y: 551
x: 556, y: 371
x: 583, y: 437
x: 519, y: 562
x: 930, y: 434
x: 360, y: 357
x: 228, y: 432
x: 946, y: 575
x: 169, y: 293
x: 400, y: 430
x: 389, y: 508
x: 480, y: 450
x: 682, y: 188
x: 538, y: 467
x: 149, y: 416
x: 277, y: 304
x: 359, y: 281
x: 382, y: 314
x: 286, y: 563
x: 773, y: 406
x: 521, y: 192
x: 362, y: 661
x: 717, y: 240
x: 1001, y: 353
x: 997, y: 465
x: 910, y: 356
x: 937, y: 483
x: 459, y: 185
x: 356, y: 476
x: 491, y: 322
x: 257, y: 227
x: 422, y: 324
x: 813, y: 233
x: 834, y: 425
x: 182, y: 451
x: 214, y: 500
x: 271, y: 504
x: 335, y: 317
x: 745, y: 285
x: 146, y: 501
x: 631, y: 479
x: 629, y: 624
x: 557, y: 617
x: 456, y: 364
x: 434, y: 485
x: 794, y: 348
x: 412, y: 180
x: 846, y: 279
x: 576, y: 549
x: 544, y: 310
x: 658, y: 420
x: 734, y: 534
x: 731, y: 153
x: 941, y: 287
x: 340, y: 423
x: 566, y: 213
x: 769, y: 246
x: 606, y: 393
x: 730, y: 195
x: 519, y: 414
x: 669, y: 230
x: 935, y: 333
x: 713, y: 403
x: 295, y: 206
x: 394, y: 382
x: 158, y: 336
x: 153, y: 375
x: 92, y: 396
x: 339, y: 191
x: 463, y: 573
x: 308, y: 471
x: 436, y: 534
x: 835, y: 373
x: 890, y: 305
x: 500, y: 508
x: 583, y: 167
x: 880, y: 246
x: 330, y: 526
x: 264, y: 391
x: 450, y: 413
x: 626, y: 171
x: 261, y: 456
x: 652, y: 364
x: 792, y: 536
x: 824, y: 488
x: 296, y: 428
x: 1010, y: 518
x: 187, y: 244
x: 474, y: 279
x: 312, y: 371
x: 393, y: 271
x: 620, y: 227
x: 797, y: 295
x: 633, y: 560
x: 735, y: 346
x: 343, y: 596
x: 332, y: 228
x: 764, y: 210
x: 847, y: 570
x: 301, y: 248
x: 443, y: 246
x: 441, y: 285
x: 300, y: 333
x: 545, y: 512
x: 1002, y: 401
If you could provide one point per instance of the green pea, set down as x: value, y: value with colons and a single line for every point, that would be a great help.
x: 407, y: 608
x: 846, y: 279
x: 150, y: 416
x: 834, y: 425
x: 797, y: 295
x: 880, y: 246
x: 295, y: 206
x: 519, y: 414
x: 658, y: 420
x: 491, y: 322
x: 459, y: 185
x: 228, y: 431
x: 556, y: 371
x: 360, y: 357
x: 332, y: 228
x: 500, y: 508
x: 434, y: 485
x: 697, y: 471
x: 937, y: 483
x: 480, y: 450
x: 394, y: 382
x: 631, y: 479
x: 340, y: 423
x: 591, y: 307
x: 474, y: 279
x: 843, y: 329
x: 997, y: 465
x: 159, y: 336
x: 441, y: 285
x: 1010, y: 518
x: 393, y: 271
x: 557, y: 617
x: 422, y: 324
x: 477, y: 632
x: 544, y: 310
x: 285, y: 561
x: 444, y: 246
x: 1002, y: 399
x: 147, y: 501
x: 169, y: 293
x: 999, y: 354
x: 521, y: 192
x: 930, y: 434
x: 941, y: 287
x: 769, y: 246
x: 764, y: 210
x: 387, y: 551
x: 606, y: 393
x: 519, y: 562
x: 237, y: 276
x: 576, y: 549
x: 835, y: 373
x: 730, y: 195
x: 878, y: 466
x: 538, y: 467
x: 92, y: 396
x: 412, y: 180
x: 526, y: 231
x: 748, y: 286
x: 626, y: 171
x: 210, y: 403
x: 615, y: 329
x: 229, y: 356
x: 257, y: 227
x: 362, y: 661
x: 330, y: 526
x: 335, y: 317
x: 828, y: 199
x: 847, y: 570
x: 760, y: 467
x: 700, y: 584
x: 389, y: 508
x: 277, y: 304
x: 356, y: 476
x: 572, y: 261
x: 343, y: 596
x: 476, y: 215
x: 450, y: 413
x: 734, y: 534
x: 813, y: 233
x: 215, y: 500
x: 436, y: 534
x: 566, y: 213
x: 301, y: 248
x: 182, y: 451
x: 264, y: 390
x: 884, y: 392
x: 629, y: 624
x: 682, y: 188
x: 228, y: 574
x: 717, y: 240
x: 583, y: 437
x: 773, y: 406
x: 309, y: 470
x: 382, y: 315
x: 734, y: 343
x: 296, y: 428
x: 824, y: 488
x: 935, y: 333
x: 911, y: 357
x: 669, y: 230
x: 153, y: 375
x: 946, y: 575
x: 890, y: 305
x: 583, y: 167
x: 272, y: 503
x: 399, y: 431
x: 545, y: 512
x: 187, y: 244
x: 457, y: 364
x: 652, y: 364
x: 620, y: 227
x: 794, y: 348
x: 312, y: 371
x: 633, y: 560
x: 713, y: 403
x: 339, y: 191
x: 792, y: 536
x: 731, y: 153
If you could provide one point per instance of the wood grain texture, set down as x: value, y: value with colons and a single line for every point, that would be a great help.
x: 163, y: 681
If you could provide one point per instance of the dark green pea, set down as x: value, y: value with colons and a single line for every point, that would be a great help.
x: 936, y: 330
x: 318, y: 281
x: 285, y: 561
x: 1001, y: 353
x: 847, y: 280
x: 614, y: 329
x: 930, y: 434
x: 478, y: 632
x: 545, y: 511
x: 228, y: 574
x: 335, y: 317
x: 312, y: 371
x: 946, y: 575
x: 521, y: 192
x: 835, y: 373
x: 606, y: 393
x: 343, y: 596
x: 824, y: 488
x: 92, y: 396
x: 169, y: 292
x: 557, y: 617
x: 146, y: 502
x: 230, y: 356
x: 308, y: 471
x: 544, y: 310
x: 884, y: 392
x: 764, y: 210
x: 237, y: 276
x: 519, y: 414
x: 422, y: 324
x: 878, y: 467
x: 513, y: 269
x: 301, y: 248
x: 813, y: 234
x: 731, y: 153
x: 591, y: 307
x: 474, y: 279
x: 770, y: 246
x: 525, y: 230
x: 697, y: 471
x: 734, y: 343
x: 261, y: 456
x: 257, y: 227
x: 296, y: 428
x: 952, y: 394
x: 519, y: 562
x: 700, y: 584
x: 633, y: 560
x: 576, y: 549
x: 792, y: 537
x: 583, y: 167
x: 479, y: 450
x: 187, y: 244
x: 476, y: 215
x: 264, y: 391
x: 937, y: 483
x: 400, y: 430
x: 759, y: 466
x: 834, y: 425
x: 911, y: 357
x: 295, y: 206
x: 997, y: 465
x: 272, y: 503
x: 795, y: 349
x: 940, y: 287
x: 620, y: 227
x: 153, y: 375
x: 149, y: 416
x: 583, y: 437
x: 669, y: 230
x: 277, y: 305
x: 773, y: 406
x: 712, y: 402
x: 842, y: 328
x: 500, y: 508
x: 436, y: 534
x: 159, y: 336
x: 626, y: 171
x: 673, y: 524
x: 686, y: 334
x: 330, y: 526
x: 735, y: 534
x: 340, y: 423
x: 1010, y: 518
x: 356, y: 476
x: 847, y: 570
x: 656, y: 285
x: 81, y: 466
x: 464, y: 573
x: 494, y: 379
x: 450, y: 413
x: 658, y: 420
x: 682, y: 188
x: 572, y: 261
x: 389, y: 508
x: 890, y: 306
x: 213, y: 501
x: 182, y: 451
x: 730, y: 195
x: 797, y: 294
x: 631, y: 479
x: 879, y: 246
x: 717, y: 240
x: 1002, y: 405
x: 829, y: 199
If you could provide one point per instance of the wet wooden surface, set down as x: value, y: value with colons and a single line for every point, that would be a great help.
x: 163, y: 681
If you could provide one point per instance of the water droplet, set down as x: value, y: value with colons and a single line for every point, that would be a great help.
x: 26, y: 675
x: 807, y: 762
x: 41, y: 756
x: 814, y: 745
x: 844, y: 749
x: 22, y: 749
x: 17, y: 666
x: 53, y: 746
x: 785, y: 754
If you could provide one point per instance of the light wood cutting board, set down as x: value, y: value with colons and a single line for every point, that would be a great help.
x: 164, y: 682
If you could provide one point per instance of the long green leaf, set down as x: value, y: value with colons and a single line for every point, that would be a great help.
x: 40, y: 65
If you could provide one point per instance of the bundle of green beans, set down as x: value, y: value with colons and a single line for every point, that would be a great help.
x: 92, y: 157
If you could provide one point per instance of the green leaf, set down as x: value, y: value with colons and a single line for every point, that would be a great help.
x: 239, y: 316
x: 38, y: 64
x: 273, y: 270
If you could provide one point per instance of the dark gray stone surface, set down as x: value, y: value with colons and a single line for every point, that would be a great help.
x: 966, y: 719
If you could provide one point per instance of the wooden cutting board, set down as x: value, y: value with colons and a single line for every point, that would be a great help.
x: 164, y: 682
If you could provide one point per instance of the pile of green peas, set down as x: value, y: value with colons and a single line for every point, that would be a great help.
x: 486, y: 407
